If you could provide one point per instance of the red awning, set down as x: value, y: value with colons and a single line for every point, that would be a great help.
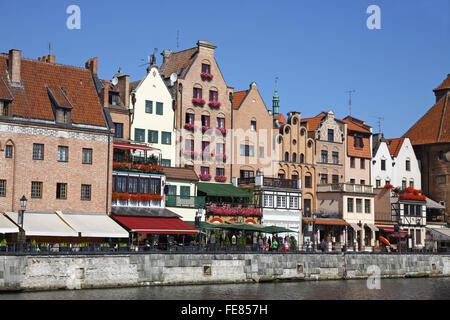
x: 390, y: 229
x: 332, y: 222
x: 156, y: 225
x: 129, y: 146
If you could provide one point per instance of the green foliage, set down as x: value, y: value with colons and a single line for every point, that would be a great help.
x: 227, y: 241
x: 293, y: 242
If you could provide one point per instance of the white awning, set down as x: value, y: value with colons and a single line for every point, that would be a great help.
x: 6, y: 226
x: 372, y: 227
x: 47, y: 224
x: 98, y: 225
x: 354, y: 226
x: 442, y: 234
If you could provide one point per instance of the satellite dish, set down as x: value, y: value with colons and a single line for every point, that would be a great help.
x: 173, y: 77
x: 114, y: 81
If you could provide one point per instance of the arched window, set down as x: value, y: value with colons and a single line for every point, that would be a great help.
x: 294, y: 157
x: 302, y: 158
x: 286, y: 156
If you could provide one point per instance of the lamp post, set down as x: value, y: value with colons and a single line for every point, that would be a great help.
x: 23, y: 205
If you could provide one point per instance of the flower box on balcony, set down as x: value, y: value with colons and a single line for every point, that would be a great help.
x: 190, y: 126
x: 388, y: 186
x: 198, y: 101
x: 205, y: 177
x: 220, y: 178
x: 222, y: 130
x: 214, y: 104
x: 233, y: 211
x: 207, y: 76
x: 205, y: 128
x: 152, y: 168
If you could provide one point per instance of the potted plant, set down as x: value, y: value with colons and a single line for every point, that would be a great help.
x: 207, y: 76
x: 198, y: 101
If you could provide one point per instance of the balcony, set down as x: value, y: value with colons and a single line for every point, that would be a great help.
x: 345, y: 187
x: 135, y: 166
x: 270, y: 182
x: 185, y: 201
x: 137, y: 200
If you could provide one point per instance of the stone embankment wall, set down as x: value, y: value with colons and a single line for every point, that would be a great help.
x: 103, y: 271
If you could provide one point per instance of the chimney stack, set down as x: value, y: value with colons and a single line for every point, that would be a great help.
x: 124, y: 89
x: 92, y: 64
x: 166, y: 55
x: 14, y: 62
x: 48, y: 59
x: 206, y: 46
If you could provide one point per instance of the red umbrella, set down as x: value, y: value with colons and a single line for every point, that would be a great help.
x: 385, y: 241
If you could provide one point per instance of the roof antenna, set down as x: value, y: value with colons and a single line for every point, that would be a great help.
x: 350, y: 101
x: 379, y: 119
x: 49, y: 48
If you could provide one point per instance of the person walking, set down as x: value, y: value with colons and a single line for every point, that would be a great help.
x: 233, y: 242
x: 275, y: 244
x: 212, y: 242
x: 323, y: 245
x: 260, y: 244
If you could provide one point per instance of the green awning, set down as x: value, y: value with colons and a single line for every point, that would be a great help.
x: 222, y: 190
x: 245, y: 226
x: 275, y: 229
x: 206, y: 225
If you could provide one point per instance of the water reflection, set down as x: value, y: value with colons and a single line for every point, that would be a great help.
x: 391, y: 289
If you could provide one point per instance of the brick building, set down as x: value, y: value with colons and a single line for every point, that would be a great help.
x: 430, y: 137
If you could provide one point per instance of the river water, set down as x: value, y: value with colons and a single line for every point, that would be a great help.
x: 390, y: 289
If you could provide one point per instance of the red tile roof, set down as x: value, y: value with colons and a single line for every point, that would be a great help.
x: 178, y: 62
x: 238, y: 97
x: 352, y: 126
x: 33, y: 101
x: 280, y: 118
x: 4, y: 91
x: 314, y: 122
x: 180, y: 173
x: 434, y: 126
x: 445, y: 84
x: 358, y: 152
x: 394, y: 145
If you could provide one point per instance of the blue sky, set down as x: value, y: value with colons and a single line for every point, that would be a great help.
x: 318, y: 49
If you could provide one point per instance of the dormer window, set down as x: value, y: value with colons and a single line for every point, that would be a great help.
x: 5, y: 108
x: 114, y: 99
x: 63, y: 115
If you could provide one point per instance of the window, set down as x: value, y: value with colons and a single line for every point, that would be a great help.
x: 198, y: 93
x: 324, y: 156
x: 213, y: 95
x: 441, y: 179
x: 359, y: 205
x: 302, y: 158
x: 172, y: 190
x: 308, y: 182
x: 363, y: 163
x: 148, y: 106
x: 204, y: 170
x: 2, y: 188
x: 378, y: 183
x: 220, y: 171
x: 408, y: 165
x: 118, y: 130
x: 383, y: 165
x: 362, y: 181
x: 352, y: 162
x: 359, y: 142
x: 121, y: 183
x: 268, y: 200
x: 293, y: 202
x: 220, y: 122
x: 307, y: 207
x: 281, y: 176
x: 166, y: 137
x: 165, y: 162
x: 86, y: 157
x: 9, y: 151
x: 155, y: 186
x: 286, y: 156
x: 132, y: 185
x: 352, y: 181
x: 349, y: 204
x: 323, y: 178
x: 335, y: 157
x: 330, y: 135
x: 63, y: 115
x: 63, y: 154
x: 261, y: 152
x: 5, y: 108
x: 335, y: 179
x: 205, y: 146
x: 206, y: 68
x: 113, y: 98
x: 86, y: 192
x: 406, y: 209
x: 281, y: 201
x: 220, y: 148
x: 247, y: 174
x: 205, y: 120
x: 38, y: 151
x: 159, y: 108
x: 252, y: 125
x: 143, y: 185
x: 418, y: 237
x: 418, y: 210
x: 36, y: 189
x: 411, y: 184
x: 139, y: 135
x: 247, y: 151
x: 367, y: 205
x: 189, y: 145
x: 404, y: 184
x: 294, y: 177
x: 388, y: 181
x: 152, y: 136
x: 185, y: 191
x: 190, y: 118
x: 61, y: 191
x: 294, y: 157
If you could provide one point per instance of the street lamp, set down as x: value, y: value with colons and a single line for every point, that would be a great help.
x: 23, y: 205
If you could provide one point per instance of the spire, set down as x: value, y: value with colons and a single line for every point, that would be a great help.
x: 275, y: 100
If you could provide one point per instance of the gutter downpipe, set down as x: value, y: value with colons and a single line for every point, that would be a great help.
x: 231, y: 144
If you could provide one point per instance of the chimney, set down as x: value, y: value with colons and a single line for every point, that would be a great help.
x: 166, y: 55
x: 105, y: 95
x: 14, y: 66
x: 92, y: 64
x: 124, y: 89
x: 206, y: 46
x: 48, y: 59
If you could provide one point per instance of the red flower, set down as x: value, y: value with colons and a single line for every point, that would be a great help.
x: 388, y: 186
x: 205, y: 177
x: 207, y: 75
x: 214, y: 104
x: 198, y: 101
x: 220, y: 178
